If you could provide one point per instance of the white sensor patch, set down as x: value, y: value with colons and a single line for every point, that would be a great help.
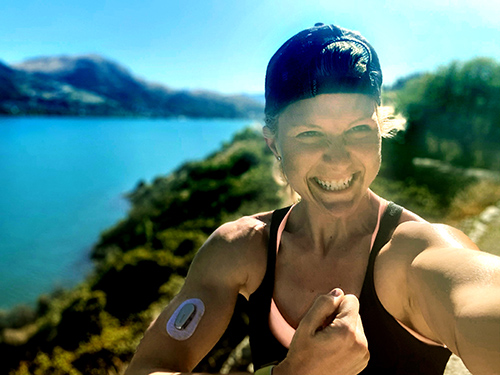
x: 185, y: 319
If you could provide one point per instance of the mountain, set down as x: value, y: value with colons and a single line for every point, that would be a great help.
x: 261, y: 98
x: 7, y: 85
x: 93, y: 85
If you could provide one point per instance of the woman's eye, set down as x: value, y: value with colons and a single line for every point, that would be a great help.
x: 360, y: 133
x: 360, y: 129
x: 309, y: 134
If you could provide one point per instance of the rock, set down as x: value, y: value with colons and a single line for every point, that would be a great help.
x: 489, y: 214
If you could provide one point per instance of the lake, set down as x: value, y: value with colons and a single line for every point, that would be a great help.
x: 63, y: 181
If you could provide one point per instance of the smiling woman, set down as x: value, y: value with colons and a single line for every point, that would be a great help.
x: 343, y: 281
x: 329, y: 143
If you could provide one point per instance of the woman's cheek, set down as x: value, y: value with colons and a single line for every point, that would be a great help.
x: 293, y: 148
x: 296, y: 163
x: 370, y: 147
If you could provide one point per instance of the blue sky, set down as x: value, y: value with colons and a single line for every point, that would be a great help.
x: 225, y: 45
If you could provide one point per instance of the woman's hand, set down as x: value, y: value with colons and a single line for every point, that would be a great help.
x: 329, y: 339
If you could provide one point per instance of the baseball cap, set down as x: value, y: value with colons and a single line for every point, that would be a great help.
x: 321, y: 59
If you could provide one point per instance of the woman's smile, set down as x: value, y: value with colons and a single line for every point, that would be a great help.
x: 335, y: 185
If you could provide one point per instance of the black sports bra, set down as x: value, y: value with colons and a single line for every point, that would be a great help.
x: 393, y: 350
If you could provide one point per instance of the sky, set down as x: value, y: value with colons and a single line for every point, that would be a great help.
x: 225, y: 45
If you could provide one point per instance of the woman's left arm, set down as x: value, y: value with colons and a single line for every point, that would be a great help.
x: 445, y: 290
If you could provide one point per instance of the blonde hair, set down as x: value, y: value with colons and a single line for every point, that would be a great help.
x: 389, y: 122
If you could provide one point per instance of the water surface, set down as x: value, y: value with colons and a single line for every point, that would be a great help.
x: 62, y: 182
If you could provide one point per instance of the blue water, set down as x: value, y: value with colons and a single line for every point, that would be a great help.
x: 62, y: 182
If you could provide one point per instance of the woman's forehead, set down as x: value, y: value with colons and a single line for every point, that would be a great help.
x: 329, y: 107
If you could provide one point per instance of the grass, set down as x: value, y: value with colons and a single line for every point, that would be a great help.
x: 472, y: 200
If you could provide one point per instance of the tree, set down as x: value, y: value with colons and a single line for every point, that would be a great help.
x: 454, y: 114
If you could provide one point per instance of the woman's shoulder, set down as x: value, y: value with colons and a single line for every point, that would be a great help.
x: 244, y: 232
x: 415, y: 234
x: 411, y: 237
x: 238, y: 249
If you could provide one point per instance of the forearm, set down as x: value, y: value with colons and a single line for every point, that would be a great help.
x: 458, y: 294
x: 478, y: 331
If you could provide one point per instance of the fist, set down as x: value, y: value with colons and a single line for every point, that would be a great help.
x: 329, y: 340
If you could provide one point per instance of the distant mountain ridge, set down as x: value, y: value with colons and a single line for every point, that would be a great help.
x: 95, y: 86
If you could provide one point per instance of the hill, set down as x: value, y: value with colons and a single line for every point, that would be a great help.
x: 94, y: 86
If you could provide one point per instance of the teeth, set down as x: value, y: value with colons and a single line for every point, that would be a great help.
x: 334, y: 185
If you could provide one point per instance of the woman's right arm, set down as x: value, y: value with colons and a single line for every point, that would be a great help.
x: 219, y: 272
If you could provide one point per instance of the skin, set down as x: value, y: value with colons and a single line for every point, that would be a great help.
x: 429, y: 277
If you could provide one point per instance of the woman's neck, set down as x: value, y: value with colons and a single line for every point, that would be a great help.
x: 326, y: 231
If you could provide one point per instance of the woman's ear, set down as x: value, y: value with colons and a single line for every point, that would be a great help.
x: 270, y: 138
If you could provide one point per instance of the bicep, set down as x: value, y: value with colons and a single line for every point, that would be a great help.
x: 433, y: 279
x: 421, y: 276
x: 457, y: 292
x: 215, y: 278
x: 158, y: 350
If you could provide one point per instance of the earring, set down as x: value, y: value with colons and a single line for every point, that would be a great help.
x: 279, y: 158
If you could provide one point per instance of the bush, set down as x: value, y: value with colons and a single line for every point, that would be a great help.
x: 472, y: 200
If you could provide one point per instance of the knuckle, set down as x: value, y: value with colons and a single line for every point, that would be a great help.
x: 366, y: 358
x: 362, y: 344
x: 357, y: 340
x: 352, y: 299
x: 351, y: 333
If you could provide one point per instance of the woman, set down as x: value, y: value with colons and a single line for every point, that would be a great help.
x: 343, y: 281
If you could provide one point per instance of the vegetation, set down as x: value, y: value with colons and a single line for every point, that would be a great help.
x: 453, y: 115
x: 140, y: 262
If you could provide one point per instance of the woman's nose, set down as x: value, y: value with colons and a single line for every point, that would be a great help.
x: 336, y: 153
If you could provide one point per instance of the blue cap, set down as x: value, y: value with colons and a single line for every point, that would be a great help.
x: 318, y: 60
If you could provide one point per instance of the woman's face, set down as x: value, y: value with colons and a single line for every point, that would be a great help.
x: 330, y: 149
